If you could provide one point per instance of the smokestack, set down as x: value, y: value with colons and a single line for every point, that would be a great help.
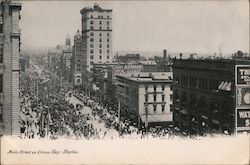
x: 164, y: 54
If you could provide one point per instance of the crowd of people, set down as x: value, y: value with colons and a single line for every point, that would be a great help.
x: 49, y: 112
x: 124, y: 127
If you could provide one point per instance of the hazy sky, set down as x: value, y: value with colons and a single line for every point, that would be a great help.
x: 193, y: 26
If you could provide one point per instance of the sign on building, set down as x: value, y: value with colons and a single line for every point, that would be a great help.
x: 242, y: 74
x: 242, y: 110
x: 243, y: 119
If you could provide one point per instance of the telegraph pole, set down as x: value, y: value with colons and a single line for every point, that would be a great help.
x: 119, y: 115
x: 146, y: 122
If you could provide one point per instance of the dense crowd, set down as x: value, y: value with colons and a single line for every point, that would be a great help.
x: 48, y: 111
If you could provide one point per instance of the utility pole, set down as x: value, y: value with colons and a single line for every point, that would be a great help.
x: 119, y: 115
x: 146, y: 122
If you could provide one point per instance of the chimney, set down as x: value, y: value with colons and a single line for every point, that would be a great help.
x: 164, y: 54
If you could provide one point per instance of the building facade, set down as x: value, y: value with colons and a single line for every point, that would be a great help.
x: 77, y: 64
x: 59, y: 61
x: 146, y: 97
x: 204, y: 95
x: 9, y: 67
x: 96, y: 36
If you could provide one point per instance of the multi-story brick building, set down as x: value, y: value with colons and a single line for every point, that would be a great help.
x: 77, y: 65
x: 96, y: 36
x: 9, y: 67
x: 204, y: 95
x: 146, y: 97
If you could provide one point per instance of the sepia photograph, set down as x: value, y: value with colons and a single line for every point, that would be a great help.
x: 124, y: 82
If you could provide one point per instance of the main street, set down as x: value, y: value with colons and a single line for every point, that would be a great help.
x: 52, y: 109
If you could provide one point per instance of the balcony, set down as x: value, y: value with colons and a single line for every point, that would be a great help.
x: 16, y: 33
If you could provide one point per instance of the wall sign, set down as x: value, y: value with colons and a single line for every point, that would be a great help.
x: 242, y: 110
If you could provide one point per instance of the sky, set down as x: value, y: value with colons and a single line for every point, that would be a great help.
x: 183, y: 26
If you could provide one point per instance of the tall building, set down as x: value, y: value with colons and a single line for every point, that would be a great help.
x: 9, y: 67
x: 77, y: 60
x: 96, y: 36
x: 205, y: 95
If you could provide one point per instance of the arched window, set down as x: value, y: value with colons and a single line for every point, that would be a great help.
x: 193, y: 100
x: 184, y: 97
x: 202, y: 102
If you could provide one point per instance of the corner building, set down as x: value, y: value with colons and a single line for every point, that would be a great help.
x: 9, y: 67
x: 204, y: 95
x: 96, y: 36
x: 146, y: 98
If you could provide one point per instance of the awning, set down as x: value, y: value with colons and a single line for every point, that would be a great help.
x: 167, y: 117
x: 184, y: 111
x: 215, y: 121
x: 204, y: 117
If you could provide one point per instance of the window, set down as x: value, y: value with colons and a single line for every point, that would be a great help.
x: 100, y: 28
x: 100, y: 51
x: 100, y: 34
x: 163, y: 98
x: 91, y: 34
x: 1, y: 28
x: 146, y: 98
x: 107, y: 51
x: 163, y: 88
x: 154, y: 97
x: 1, y: 83
x: 91, y: 45
x: 162, y: 108
x: 91, y: 51
x: 91, y: 27
x: 146, y: 88
x: 100, y: 22
x: 91, y: 16
x: 100, y: 46
x: 1, y: 53
x: 100, y: 57
x: 107, y: 45
x: 100, y: 40
x: 108, y: 34
x: 107, y: 39
x: 91, y: 57
x: 91, y: 62
x: 1, y: 113
x: 154, y: 88
x: 107, y: 22
x: 193, y: 81
x: 107, y: 57
x: 107, y: 16
x: 155, y: 108
x: 91, y: 22
x: 108, y: 27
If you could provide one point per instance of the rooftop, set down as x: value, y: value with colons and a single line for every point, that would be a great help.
x: 146, y: 77
x: 95, y: 8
